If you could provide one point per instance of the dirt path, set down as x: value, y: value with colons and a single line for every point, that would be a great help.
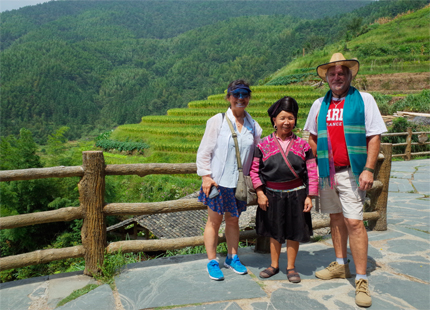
x: 394, y: 83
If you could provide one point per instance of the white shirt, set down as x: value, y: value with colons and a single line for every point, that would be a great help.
x: 245, y: 140
x: 372, y: 117
x: 213, y: 149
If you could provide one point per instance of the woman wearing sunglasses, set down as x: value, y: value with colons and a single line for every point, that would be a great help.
x: 217, y: 165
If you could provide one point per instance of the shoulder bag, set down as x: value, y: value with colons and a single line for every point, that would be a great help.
x: 244, y: 190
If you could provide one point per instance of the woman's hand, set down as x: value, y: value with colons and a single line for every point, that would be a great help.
x: 308, y: 204
x: 263, y: 202
x: 207, y: 184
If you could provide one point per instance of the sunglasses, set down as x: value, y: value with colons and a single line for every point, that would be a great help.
x: 240, y: 94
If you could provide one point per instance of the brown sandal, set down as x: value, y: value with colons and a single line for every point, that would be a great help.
x: 268, y: 272
x: 293, y: 277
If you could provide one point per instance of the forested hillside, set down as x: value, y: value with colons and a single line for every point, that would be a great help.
x: 141, y: 19
x: 92, y: 65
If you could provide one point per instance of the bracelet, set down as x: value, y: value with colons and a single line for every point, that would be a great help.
x: 369, y: 169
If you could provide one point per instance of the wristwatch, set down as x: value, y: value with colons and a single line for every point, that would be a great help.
x: 369, y: 169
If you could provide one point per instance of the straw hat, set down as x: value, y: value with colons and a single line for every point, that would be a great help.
x: 338, y: 59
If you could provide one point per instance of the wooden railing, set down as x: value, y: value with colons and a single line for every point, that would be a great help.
x: 93, y: 210
x: 408, y: 150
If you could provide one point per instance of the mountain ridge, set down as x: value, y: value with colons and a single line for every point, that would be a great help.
x: 91, y: 86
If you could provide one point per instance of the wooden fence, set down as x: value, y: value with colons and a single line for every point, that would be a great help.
x: 423, y: 137
x: 93, y: 210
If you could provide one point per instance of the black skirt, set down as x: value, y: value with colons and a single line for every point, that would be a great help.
x: 284, y: 218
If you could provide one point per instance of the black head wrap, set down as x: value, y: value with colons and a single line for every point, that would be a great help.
x: 286, y: 104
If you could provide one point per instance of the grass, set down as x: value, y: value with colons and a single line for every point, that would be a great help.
x: 181, y: 134
x: 390, y: 69
x: 175, y: 139
x: 308, y: 95
x: 401, y: 45
x: 181, y: 130
x: 261, y: 103
x: 408, y: 28
x: 258, y: 281
x: 317, y: 238
x: 254, y: 111
x: 113, y: 263
x: 77, y: 293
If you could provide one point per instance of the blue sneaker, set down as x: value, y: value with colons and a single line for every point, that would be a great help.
x: 235, y: 264
x: 214, y: 271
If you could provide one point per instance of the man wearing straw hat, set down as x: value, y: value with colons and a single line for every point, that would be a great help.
x: 345, y: 134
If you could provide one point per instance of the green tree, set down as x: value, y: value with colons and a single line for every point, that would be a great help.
x: 354, y: 26
x: 23, y: 197
x: 56, y: 150
x: 19, y: 153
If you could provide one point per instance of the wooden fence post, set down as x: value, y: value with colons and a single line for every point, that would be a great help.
x: 408, y: 146
x: 91, y: 196
x: 379, y: 200
x: 262, y: 245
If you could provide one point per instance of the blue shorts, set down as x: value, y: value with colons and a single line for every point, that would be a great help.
x: 224, y: 202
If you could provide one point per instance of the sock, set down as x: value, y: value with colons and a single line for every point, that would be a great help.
x: 341, y: 260
x: 216, y: 259
x: 360, y: 276
x: 230, y: 256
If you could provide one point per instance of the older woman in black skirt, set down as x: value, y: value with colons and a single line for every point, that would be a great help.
x: 284, y: 174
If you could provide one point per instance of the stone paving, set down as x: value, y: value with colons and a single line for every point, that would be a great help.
x: 398, y: 269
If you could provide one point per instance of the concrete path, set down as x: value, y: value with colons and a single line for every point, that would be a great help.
x: 398, y: 269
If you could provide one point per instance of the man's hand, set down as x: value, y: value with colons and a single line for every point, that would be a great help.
x: 366, y: 180
x: 366, y: 177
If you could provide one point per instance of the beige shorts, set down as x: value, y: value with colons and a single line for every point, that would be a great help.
x: 345, y: 196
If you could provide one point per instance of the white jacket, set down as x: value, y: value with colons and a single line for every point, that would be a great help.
x: 212, y: 152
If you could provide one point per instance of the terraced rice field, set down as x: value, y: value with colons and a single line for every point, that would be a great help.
x: 182, y: 129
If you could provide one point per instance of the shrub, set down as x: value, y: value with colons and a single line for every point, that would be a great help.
x: 105, y: 135
x: 107, y: 145
x: 414, y: 103
x: 382, y: 101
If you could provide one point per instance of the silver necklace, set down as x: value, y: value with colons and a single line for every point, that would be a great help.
x: 336, y: 104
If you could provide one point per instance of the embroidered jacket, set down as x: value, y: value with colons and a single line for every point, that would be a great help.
x: 296, y: 166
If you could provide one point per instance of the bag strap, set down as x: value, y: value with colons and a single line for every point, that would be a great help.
x: 234, y: 135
